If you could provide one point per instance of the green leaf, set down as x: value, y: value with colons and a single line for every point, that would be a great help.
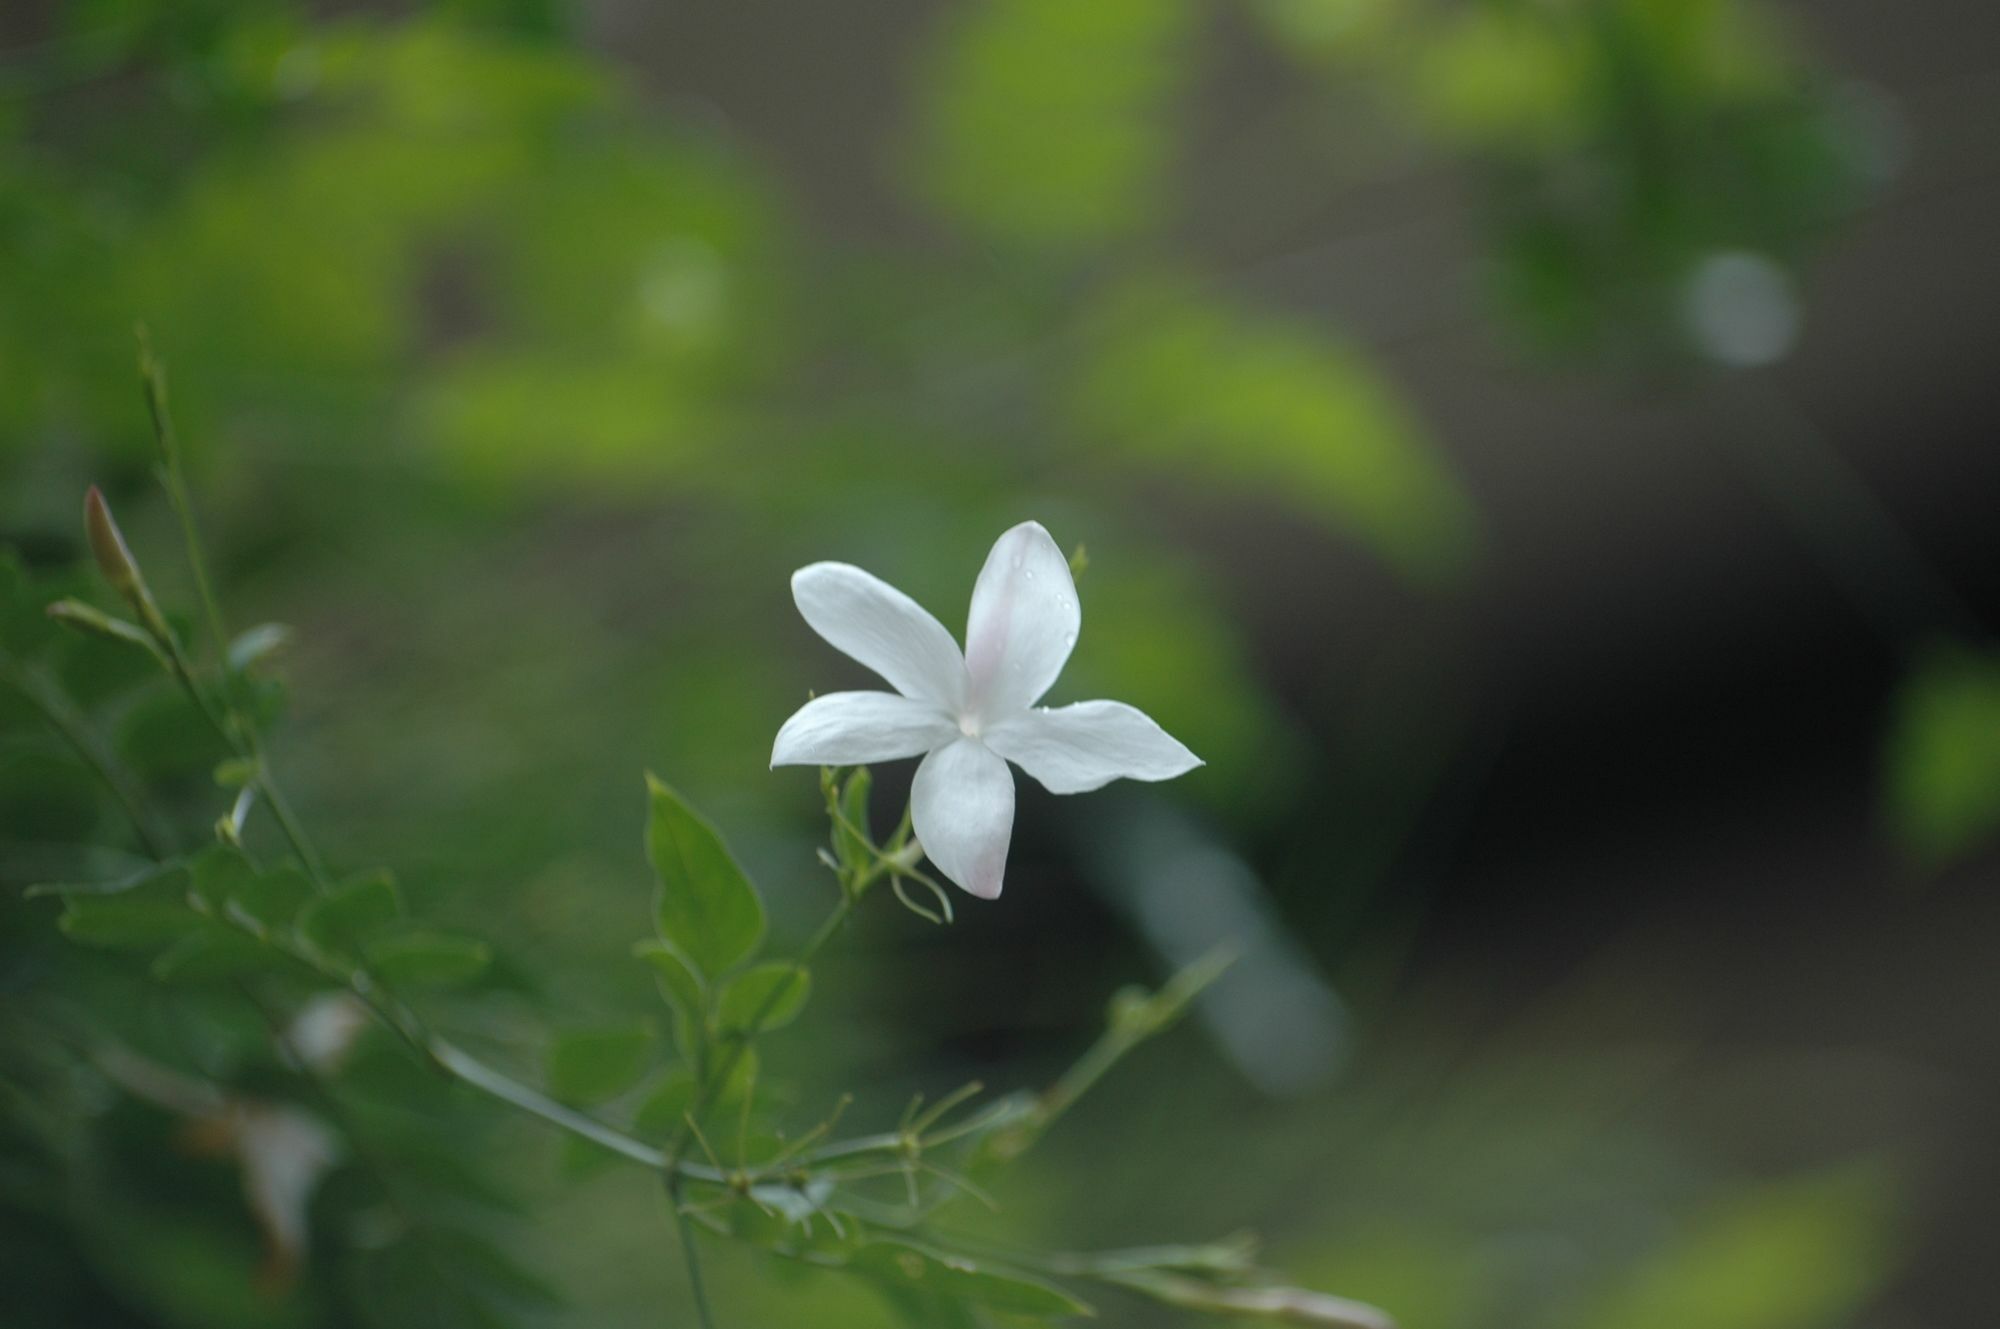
x: 660, y: 1112
x: 706, y: 907
x: 223, y: 879
x: 1046, y: 121
x: 213, y: 952
x: 146, y: 915
x: 345, y: 917
x: 1807, y: 1253
x: 686, y: 995
x: 588, y: 1066
x: 910, y: 1266
x: 1944, y: 756
x: 776, y: 990
x: 1181, y: 379
x: 428, y: 959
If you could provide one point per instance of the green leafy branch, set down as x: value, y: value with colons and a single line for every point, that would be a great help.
x: 216, y: 915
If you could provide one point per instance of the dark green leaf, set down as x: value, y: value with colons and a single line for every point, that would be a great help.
x: 224, y: 879
x: 146, y: 915
x: 428, y: 959
x: 344, y: 918
x: 212, y: 952
x: 706, y: 907
x: 588, y: 1066
x: 767, y: 996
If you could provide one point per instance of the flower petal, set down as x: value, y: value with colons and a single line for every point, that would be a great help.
x: 855, y: 728
x: 871, y: 621
x: 1071, y: 749
x: 963, y: 806
x: 1024, y: 621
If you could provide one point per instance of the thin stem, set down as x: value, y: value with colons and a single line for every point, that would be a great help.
x: 71, y: 725
x: 718, y: 1076
x: 235, y: 729
x: 690, y: 1256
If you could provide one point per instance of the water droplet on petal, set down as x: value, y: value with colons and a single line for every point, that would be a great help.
x: 1029, y: 574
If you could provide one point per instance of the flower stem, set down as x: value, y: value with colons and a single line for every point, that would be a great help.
x: 66, y: 721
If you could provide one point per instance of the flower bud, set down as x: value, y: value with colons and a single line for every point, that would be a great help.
x: 115, y: 561
x: 107, y: 542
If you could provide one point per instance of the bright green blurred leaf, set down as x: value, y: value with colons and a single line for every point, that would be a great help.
x: 1944, y: 756
x: 1047, y: 121
x: 1192, y: 384
x: 1807, y: 1253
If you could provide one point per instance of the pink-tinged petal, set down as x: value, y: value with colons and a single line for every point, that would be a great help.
x: 855, y: 728
x: 962, y: 804
x: 871, y: 621
x: 1023, y: 624
x: 1072, y: 749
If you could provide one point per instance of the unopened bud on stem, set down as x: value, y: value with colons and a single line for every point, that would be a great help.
x: 115, y: 561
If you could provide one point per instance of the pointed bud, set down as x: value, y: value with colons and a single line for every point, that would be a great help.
x: 107, y: 542
x: 115, y: 561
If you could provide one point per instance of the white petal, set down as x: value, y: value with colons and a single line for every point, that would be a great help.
x: 1024, y: 621
x: 854, y: 728
x: 871, y: 621
x: 1071, y: 749
x: 963, y: 806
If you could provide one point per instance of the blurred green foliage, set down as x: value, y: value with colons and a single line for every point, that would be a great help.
x: 519, y: 393
x: 1943, y: 779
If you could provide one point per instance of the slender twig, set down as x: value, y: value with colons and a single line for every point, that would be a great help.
x: 67, y: 721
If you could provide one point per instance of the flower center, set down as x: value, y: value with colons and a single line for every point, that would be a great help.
x: 968, y: 724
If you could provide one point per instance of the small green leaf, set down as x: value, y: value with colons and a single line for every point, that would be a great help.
x: 223, y: 879
x: 679, y: 983
x: 428, y: 959
x: 588, y: 1066
x: 706, y: 907
x: 665, y: 1104
x: 742, y: 1081
x: 767, y: 996
x: 350, y: 913
x: 683, y: 990
x: 908, y: 1265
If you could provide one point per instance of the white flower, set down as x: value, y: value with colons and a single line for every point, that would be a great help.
x: 970, y: 714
